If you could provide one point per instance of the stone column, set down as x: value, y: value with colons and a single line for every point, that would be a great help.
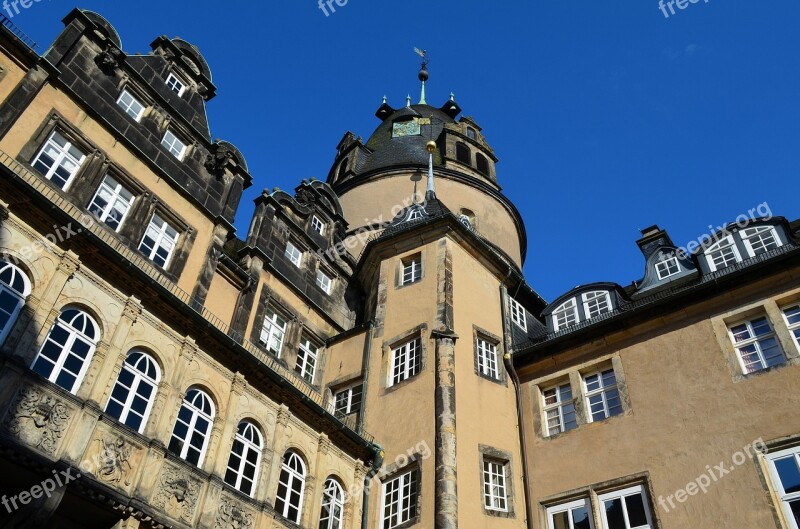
x: 229, y: 427
x: 446, y: 490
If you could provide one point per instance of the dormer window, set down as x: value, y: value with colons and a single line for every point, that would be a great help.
x: 667, y: 268
x: 176, y: 85
x: 760, y: 239
x: 518, y: 314
x: 565, y: 315
x: 174, y: 145
x: 317, y: 225
x: 722, y: 254
x: 471, y: 134
x: 596, y: 303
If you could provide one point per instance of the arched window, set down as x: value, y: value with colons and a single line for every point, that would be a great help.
x: 291, y: 486
x: 463, y: 154
x: 15, y: 287
x: 190, y: 436
x: 68, y: 349
x: 722, y: 254
x: 332, y: 505
x: 135, y: 390
x: 565, y: 315
x: 596, y: 303
x: 245, y: 458
x: 482, y: 164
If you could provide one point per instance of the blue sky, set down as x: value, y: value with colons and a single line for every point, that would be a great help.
x: 607, y: 117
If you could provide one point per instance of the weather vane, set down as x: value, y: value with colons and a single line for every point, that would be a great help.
x: 424, y: 55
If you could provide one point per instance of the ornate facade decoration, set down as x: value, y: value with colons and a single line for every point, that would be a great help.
x: 38, y: 419
x: 177, y: 494
x: 113, y: 461
x: 232, y: 515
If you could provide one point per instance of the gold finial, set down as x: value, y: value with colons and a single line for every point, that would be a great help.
x: 431, y: 147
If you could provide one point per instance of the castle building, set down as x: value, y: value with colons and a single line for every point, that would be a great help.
x: 369, y: 354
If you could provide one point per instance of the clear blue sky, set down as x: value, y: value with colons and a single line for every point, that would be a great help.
x: 607, y: 116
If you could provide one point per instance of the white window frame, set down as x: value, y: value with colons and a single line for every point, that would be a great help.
x: 756, y: 342
x: 351, y: 403
x: 118, y: 197
x: 317, y: 225
x: 160, y: 235
x: 486, y: 352
x: 762, y: 234
x: 558, y: 406
x: 406, y: 361
x: 569, y: 508
x: 249, y: 438
x: 668, y: 267
x: 727, y: 258
x: 495, y: 484
x: 130, y: 106
x: 789, y: 311
x: 173, y: 82
x: 293, y: 253
x: 169, y: 142
x: 18, y: 287
x: 324, y: 282
x: 412, y: 270
x: 206, y: 412
x: 63, y: 155
x: 403, y: 509
x: 623, y: 495
x: 603, y: 391
x: 596, y: 303
x: 146, y: 373
x: 566, y: 315
x: 293, y: 471
x: 777, y: 484
x: 273, y: 332
x: 307, y: 356
x: 74, y: 335
x: 518, y: 315
x: 331, y: 514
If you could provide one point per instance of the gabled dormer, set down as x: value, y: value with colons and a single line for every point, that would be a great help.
x: 664, y: 262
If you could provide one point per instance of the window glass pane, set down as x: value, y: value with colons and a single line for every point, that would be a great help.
x: 580, y: 518
x: 636, y: 513
x: 789, y: 473
x: 795, y: 507
x: 614, y: 515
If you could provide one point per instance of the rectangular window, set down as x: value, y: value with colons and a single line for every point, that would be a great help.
x: 406, y: 361
x: 111, y: 203
x: 518, y: 314
x: 559, y: 409
x: 625, y: 509
x: 756, y: 345
x: 412, y: 270
x: 487, y: 358
x: 495, y: 492
x: 272, y: 332
x: 760, y: 240
x: 317, y: 225
x: 572, y: 515
x: 174, y: 145
x: 159, y: 241
x: 784, y: 467
x: 792, y: 315
x: 602, y: 395
x: 399, y: 500
x: 668, y: 267
x: 306, y: 365
x: 293, y: 254
x: 175, y: 84
x: 130, y: 105
x: 323, y: 282
x: 59, y: 160
x: 348, y: 400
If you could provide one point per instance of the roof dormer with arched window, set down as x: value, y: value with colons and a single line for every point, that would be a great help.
x: 583, y: 304
x: 740, y: 242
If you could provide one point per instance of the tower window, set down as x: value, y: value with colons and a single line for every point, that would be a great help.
x: 495, y: 493
x: 463, y: 154
x: 412, y: 270
x: 487, y: 358
x: 175, y: 84
x: 482, y: 164
x: 406, y: 361
x: 471, y: 134
x: 399, y: 500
